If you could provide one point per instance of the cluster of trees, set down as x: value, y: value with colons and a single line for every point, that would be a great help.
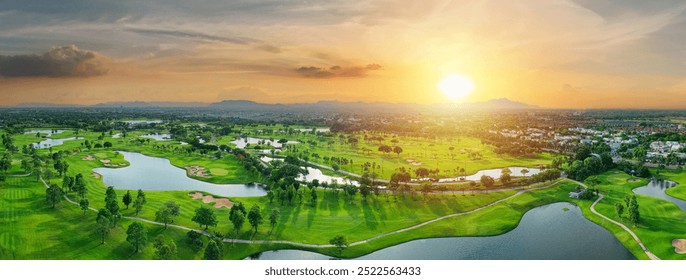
x: 138, y: 203
x: 388, y: 149
x: 634, y: 169
x: 8, y: 142
x: 97, y: 145
x: 589, y: 159
x: 630, y: 207
x: 6, y: 162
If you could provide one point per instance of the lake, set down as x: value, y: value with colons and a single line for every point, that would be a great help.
x: 657, y: 188
x: 158, y: 174
x: 495, y: 173
x: 314, y: 173
x: 47, y: 143
x: 158, y: 136
x: 49, y: 132
x: 545, y: 233
x: 241, y: 143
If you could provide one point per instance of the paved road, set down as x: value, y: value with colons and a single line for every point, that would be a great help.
x: 638, y: 240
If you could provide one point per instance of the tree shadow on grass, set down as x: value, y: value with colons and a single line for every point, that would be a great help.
x: 369, y: 217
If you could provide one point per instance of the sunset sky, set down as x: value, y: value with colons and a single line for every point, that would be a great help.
x: 550, y: 53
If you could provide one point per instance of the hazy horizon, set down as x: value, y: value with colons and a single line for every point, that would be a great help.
x: 561, y: 54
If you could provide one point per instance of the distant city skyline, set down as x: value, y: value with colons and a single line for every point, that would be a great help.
x: 575, y: 54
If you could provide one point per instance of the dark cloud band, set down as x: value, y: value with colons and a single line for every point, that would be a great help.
x: 67, y: 61
x: 336, y: 71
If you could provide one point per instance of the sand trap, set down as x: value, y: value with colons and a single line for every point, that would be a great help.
x: 88, y: 157
x: 218, y: 202
x: 197, y: 171
x: 96, y: 175
x: 679, y: 245
x: 633, y: 180
x: 105, y: 160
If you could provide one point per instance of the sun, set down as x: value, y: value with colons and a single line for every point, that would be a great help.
x: 456, y: 87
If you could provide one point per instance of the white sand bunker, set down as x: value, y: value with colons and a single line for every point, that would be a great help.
x: 198, y: 171
x: 413, y: 162
x: 88, y: 157
x: 96, y: 175
x: 679, y: 245
x: 105, y: 160
x: 218, y: 202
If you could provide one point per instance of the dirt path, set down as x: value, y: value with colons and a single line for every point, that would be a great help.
x: 638, y: 240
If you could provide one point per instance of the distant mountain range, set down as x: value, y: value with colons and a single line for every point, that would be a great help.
x: 327, y: 106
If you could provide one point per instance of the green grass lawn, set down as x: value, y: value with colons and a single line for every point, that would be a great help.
x: 431, y: 153
x: 30, y: 229
x: 661, y: 221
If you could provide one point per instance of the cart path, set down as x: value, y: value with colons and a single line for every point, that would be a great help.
x: 638, y: 240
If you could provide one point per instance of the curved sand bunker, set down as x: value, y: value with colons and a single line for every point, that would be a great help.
x: 218, y: 202
x: 679, y: 245
x: 96, y: 175
x: 88, y: 157
x: 197, y: 171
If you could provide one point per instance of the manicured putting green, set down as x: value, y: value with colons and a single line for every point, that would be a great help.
x: 219, y: 171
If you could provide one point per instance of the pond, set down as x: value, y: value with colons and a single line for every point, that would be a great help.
x: 47, y: 143
x: 158, y: 136
x: 657, y: 188
x: 158, y: 174
x: 49, y: 132
x: 242, y: 142
x: 314, y: 173
x: 545, y: 233
x: 495, y: 173
x: 142, y: 122
x: 318, y: 130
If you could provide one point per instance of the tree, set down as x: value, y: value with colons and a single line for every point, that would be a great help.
x: 127, y: 199
x: 53, y: 195
x: 67, y: 183
x: 164, y: 250
x: 84, y: 205
x: 163, y: 215
x: 238, y: 221
x: 487, y: 181
x: 141, y: 196
x: 139, y: 202
x: 136, y: 235
x: 505, y: 178
x: 103, y: 227
x: 339, y: 241
x: 619, y: 207
x: 205, y: 217
x: 80, y: 186
x: 211, y: 251
x: 634, y: 215
x: 174, y: 209
x: 112, y: 204
x: 397, y: 150
x: 274, y: 217
x: 255, y: 217
x: 194, y: 240
x: 107, y: 145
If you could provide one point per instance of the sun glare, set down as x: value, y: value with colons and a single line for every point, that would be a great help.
x: 456, y: 87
